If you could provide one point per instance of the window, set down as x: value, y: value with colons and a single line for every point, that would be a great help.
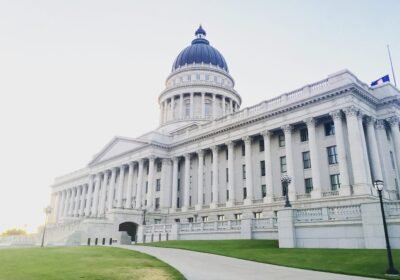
x: 243, y: 150
x: 208, y: 108
x: 221, y: 218
x: 177, y: 220
x: 189, y: 77
x: 238, y: 216
x: 158, y: 185
x: 179, y: 185
x: 306, y: 160
x: 197, y: 76
x: 264, y: 190
x: 147, y: 169
x: 204, y: 219
x: 226, y: 154
x: 304, y: 135
x: 157, y: 221
x: 283, y: 165
x: 244, y: 193
x: 147, y: 186
x: 227, y: 194
x: 262, y: 167
x: 227, y: 174
x: 244, y: 171
x: 157, y: 203
x: 159, y: 164
x: 261, y: 145
x: 257, y: 215
x: 329, y: 129
x: 187, y: 109
x: 308, y: 185
x: 281, y: 139
x: 190, y: 200
x: 190, y: 220
x: 145, y: 202
x: 335, y: 183
x: 332, y: 155
x: 178, y: 203
x: 207, y: 77
x: 392, y: 160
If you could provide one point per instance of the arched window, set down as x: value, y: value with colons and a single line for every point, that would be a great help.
x: 208, y: 107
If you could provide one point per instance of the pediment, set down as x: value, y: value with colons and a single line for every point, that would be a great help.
x: 115, y: 147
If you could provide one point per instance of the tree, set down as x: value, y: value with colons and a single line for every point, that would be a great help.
x: 13, y: 231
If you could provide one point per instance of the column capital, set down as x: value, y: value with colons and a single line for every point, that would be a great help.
x: 369, y: 120
x: 200, y: 153
x: 229, y: 144
x: 351, y: 111
x: 131, y: 163
x: 166, y: 160
x: 187, y: 156
x: 247, y: 139
x: 152, y: 158
x: 214, y: 149
x: 175, y: 159
x: 310, y: 122
x: 380, y: 124
x: 336, y: 114
x: 287, y: 128
x: 266, y: 133
x: 393, y: 121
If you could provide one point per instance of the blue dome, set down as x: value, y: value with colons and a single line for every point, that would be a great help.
x: 200, y: 52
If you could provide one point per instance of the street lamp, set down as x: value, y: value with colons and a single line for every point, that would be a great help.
x: 47, y: 211
x: 378, y: 184
x: 286, y: 179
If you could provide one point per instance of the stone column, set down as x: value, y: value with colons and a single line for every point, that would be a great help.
x: 65, y: 203
x: 268, y: 166
x: 249, y: 170
x: 174, y: 182
x: 365, y: 151
x: 82, y: 202
x: 76, y: 208
x: 373, y: 150
x: 200, y: 186
x: 360, y: 185
x: 380, y: 131
x: 181, y: 106
x: 186, y: 192
x: 203, y: 105
x: 214, y: 96
x: 120, y: 187
x: 89, y: 196
x: 287, y: 129
x: 60, y: 205
x: 394, y: 127
x: 223, y: 105
x: 139, y: 188
x: 231, y: 105
x: 103, y: 195
x: 150, y: 179
x: 71, y: 203
x: 128, y: 202
x: 215, y: 182
x: 341, y: 151
x: 313, y: 146
x: 96, y: 195
x: 231, y: 175
x: 166, y: 183
x: 111, y: 189
x: 191, y: 104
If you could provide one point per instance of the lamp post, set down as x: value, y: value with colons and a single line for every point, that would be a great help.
x: 47, y: 211
x: 286, y: 179
x: 392, y: 271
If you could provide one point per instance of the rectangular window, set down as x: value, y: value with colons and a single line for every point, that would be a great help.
x: 308, y: 185
x: 145, y: 202
x: 226, y: 154
x: 147, y: 186
x: 257, y: 215
x: 392, y: 159
x: 227, y: 194
x: 335, y: 183
x: 329, y: 129
x: 227, y: 174
x: 158, y: 185
x: 261, y: 145
x: 238, y: 216
x: 244, y: 171
x: 190, y: 201
x: 221, y: 218
x: 204, y: 219
x: 178, y: 205
x: 283, y: 165
x: 179, y: 185
x: 157, y: 221
x: 159, y: 164
x: 190, y: 220
x: 243, y: 150
x: 281, y: 139
x: 157, y: 203
x: 304, y: 135
x: 332, y: 155
x: 306, y: 160
x: 262, y: 167
x: 264, y: 190
x: 244, y: 193
x: 147, y: 169
x: 177, y: 220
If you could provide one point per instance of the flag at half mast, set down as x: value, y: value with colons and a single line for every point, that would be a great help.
x: 384, y: 79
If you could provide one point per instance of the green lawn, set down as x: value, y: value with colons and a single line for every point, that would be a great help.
x: 363, y: 262
x: 74, y: 263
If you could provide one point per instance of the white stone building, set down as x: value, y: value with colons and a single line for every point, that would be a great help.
x: 214, y: 168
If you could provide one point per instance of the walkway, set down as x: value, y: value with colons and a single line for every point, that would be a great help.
x: 200, y: 266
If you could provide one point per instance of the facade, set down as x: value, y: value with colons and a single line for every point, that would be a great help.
x: 212, y: 167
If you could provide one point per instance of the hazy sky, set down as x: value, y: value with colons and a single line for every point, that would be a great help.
x: 74, y: 74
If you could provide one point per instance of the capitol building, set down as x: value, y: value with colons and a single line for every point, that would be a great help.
x: 214, y: 170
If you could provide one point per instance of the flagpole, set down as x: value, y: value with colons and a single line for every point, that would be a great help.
x: 391, y: 65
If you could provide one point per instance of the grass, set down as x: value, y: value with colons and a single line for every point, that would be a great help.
x: 82, y: 263
x: 362, y: 262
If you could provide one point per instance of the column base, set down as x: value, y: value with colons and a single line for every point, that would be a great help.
x: 247, y: 201
x: 213, y: 205
x: 315, y: 194
x: 230, y: 203
x: 268, y: 199
x: 345, y: 191
x: 172, y: 210
x: 198, y: 207
x: 184, y: 209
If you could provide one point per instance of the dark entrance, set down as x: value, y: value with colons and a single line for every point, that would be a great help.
x: 130, y: 229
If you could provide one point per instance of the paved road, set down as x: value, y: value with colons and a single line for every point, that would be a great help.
x: 201, y: 266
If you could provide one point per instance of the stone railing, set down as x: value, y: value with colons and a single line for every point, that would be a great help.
x: 330, y: 193
x: 392, y: 209
x: 20, y: 240
x: 210, y: 226
x: 157, y: 228
x: 339, y: 213
x: 308, y: 215
x: 304, y: 196
x: 265, y: 223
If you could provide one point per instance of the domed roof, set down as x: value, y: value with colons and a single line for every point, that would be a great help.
x: 200, y: 51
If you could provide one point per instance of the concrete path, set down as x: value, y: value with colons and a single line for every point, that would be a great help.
x: 201, y: 266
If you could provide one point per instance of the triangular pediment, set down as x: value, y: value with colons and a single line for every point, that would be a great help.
x: 117, y: 146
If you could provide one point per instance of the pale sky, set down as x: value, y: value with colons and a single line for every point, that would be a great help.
x: 74, y: 74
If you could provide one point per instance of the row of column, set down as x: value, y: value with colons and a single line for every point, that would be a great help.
x: 167, y: 106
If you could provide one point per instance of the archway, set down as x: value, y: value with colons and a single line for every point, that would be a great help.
x: 130, y: 228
